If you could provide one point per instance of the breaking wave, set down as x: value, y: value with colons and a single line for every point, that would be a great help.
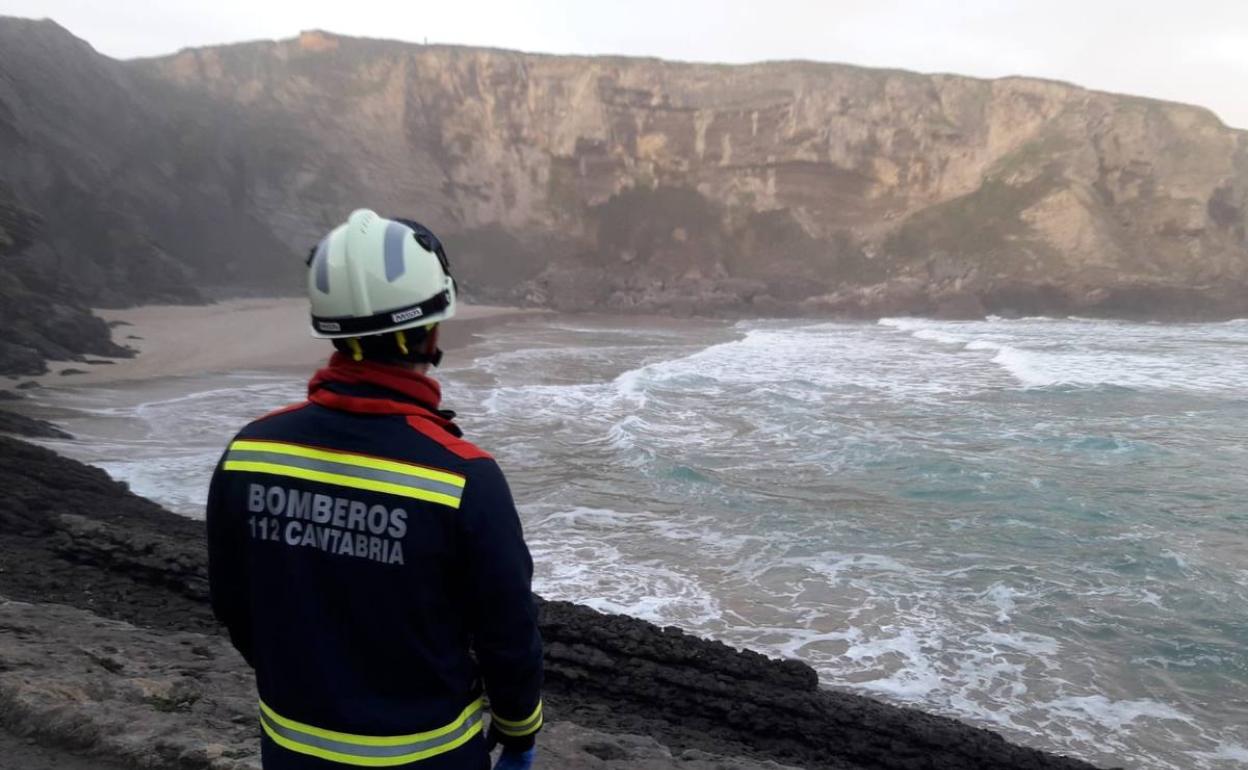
x: 1085, y: 353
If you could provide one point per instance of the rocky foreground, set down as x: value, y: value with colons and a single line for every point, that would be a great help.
x: 108, y: 650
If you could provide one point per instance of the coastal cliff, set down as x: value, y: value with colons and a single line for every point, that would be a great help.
x: 779, y: 187
x: 41, y: 321
x: 621, y: 184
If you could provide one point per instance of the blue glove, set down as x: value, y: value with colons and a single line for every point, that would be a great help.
x: 515, y: 760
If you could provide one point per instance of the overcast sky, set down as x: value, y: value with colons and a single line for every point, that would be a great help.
x: 1192, y: 51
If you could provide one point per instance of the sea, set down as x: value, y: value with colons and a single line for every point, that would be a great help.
x: 1037, y: 525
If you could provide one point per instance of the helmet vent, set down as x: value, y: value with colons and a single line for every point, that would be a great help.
x: 320, y: 264
x: 396, y: 235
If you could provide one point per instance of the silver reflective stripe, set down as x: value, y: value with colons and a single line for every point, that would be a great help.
x: 344, y: 469
x: 366, y: 752
x: 396, y: 236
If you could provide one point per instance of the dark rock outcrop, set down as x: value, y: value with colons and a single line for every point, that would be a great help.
x: 41, y: 320
x: 29, y: 754
x: 51, y: 513
x: 18, y: 424
x: 69, y: 534
x: 632, y: 676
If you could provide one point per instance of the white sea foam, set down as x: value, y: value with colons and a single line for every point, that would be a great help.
x: 938, y: 336
x: 577, y: 559
x: 1027, y: 368
x: 982, y: 344
x: 1032, y: 644
x: 916, y: 674
x: 1116, y: 715
x: 905, y: 324
x: 1084, y: 353
x: 1179, y: 559
x: 1227, y: 755
x: 179, y: 481
x: 631, y: 387
x: 1002, y: 597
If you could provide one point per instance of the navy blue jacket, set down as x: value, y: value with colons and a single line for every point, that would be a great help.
x: 360, y: 552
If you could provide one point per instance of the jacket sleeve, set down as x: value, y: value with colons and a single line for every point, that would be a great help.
x: 502, y: 614
x: 228, y: 578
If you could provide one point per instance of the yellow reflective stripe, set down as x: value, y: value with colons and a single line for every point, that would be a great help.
x: 375, y: 740
x: 348, y: 458
x: 520, y: 733
x: 520, y: 727
x: 351, y: 759
x: 519, y: 722
x: 342, y: 480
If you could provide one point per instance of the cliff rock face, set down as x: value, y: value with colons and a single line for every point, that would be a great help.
x: 615, y: 183
x: 40, y: 322
x: 101, y: 198
x: 643, y: 184
x: 129, y: 178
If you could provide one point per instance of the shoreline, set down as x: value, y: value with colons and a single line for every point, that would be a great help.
x: 181, y: 340
x: 119, y: 657
x: 188, y: 340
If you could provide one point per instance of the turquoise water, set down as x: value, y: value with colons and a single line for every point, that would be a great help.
x: 1038, y: 525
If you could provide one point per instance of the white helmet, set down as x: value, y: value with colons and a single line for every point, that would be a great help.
x: 373, y: 275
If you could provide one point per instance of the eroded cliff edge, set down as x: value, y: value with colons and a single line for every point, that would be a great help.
x: 171, y: 693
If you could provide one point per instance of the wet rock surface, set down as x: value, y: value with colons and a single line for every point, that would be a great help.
x: 28, y: 753
x: 47, y: 503
x: 105, y: 688
x: 661, y: 681
x: 69, y: 534
x: 21, y: 425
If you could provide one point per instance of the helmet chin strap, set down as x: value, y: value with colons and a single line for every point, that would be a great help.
x: 396, y: 348
x: 433, y: 359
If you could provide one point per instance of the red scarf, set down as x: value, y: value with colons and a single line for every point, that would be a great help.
x: 422, y: 409
x: 423, y: 391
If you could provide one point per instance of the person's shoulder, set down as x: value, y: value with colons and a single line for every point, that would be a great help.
x: 272, y: 424
x: 477, y: 466
x: 485, y: 486
x: 277, y: 416
x: 464, y: 450
x: 289, y: 408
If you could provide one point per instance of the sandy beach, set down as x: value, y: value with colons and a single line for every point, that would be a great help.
x: 254, y: 333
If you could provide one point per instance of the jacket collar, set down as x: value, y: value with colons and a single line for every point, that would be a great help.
x: 367, y: 387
